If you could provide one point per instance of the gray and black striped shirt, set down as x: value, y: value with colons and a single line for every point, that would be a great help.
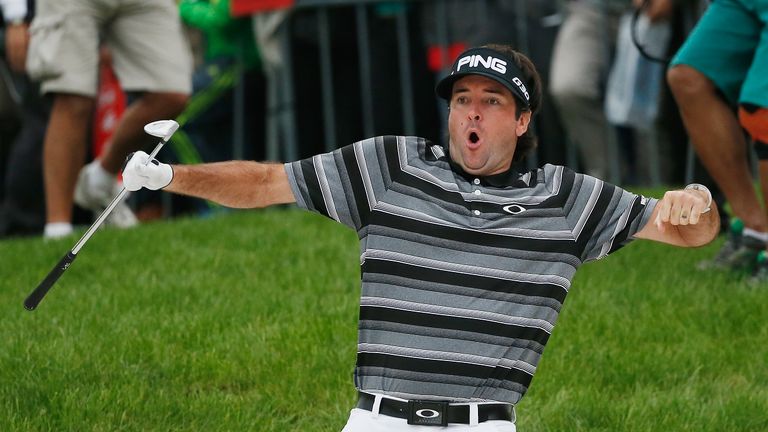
x: 462, y: 278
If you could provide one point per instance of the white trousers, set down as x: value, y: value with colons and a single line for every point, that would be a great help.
x: 366, y: 421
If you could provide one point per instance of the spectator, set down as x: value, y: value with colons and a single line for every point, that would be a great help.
x: 16, y: 14
x: 721, y: 66
x: 12, y: 24
x: 151, y: 56
x: 227, y: 61
x: 580, y: 63
x: 230, y: 55
x: 22, y: 207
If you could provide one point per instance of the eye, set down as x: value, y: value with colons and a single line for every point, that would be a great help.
x: 460, y: 100
x: 493, y: 101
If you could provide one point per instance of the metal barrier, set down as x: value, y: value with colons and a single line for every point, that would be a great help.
x: 281, y: 120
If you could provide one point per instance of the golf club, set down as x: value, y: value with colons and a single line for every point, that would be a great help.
x: 162, y: 129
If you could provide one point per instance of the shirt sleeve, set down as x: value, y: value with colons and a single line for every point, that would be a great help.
x: 604, y: 217
x: 344, y: 184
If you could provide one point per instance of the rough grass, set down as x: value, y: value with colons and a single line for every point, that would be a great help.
x: 247, y: 321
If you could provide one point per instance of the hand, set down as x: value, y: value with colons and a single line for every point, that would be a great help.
x: 682, y: 207
x: 16, y: 44
x: 141, y: 172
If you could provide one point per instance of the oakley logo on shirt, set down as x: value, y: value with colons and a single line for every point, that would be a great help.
x: 513, y: 209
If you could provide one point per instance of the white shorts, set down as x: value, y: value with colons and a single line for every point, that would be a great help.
x: 149, y: 48
x: 365, y: 421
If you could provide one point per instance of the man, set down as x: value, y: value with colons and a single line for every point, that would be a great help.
x: 22, y: 206
x: 16, y: 14
x: 465, y: 261
x: 581, y: 60
x: 721, y: 66
x: 151, y: 57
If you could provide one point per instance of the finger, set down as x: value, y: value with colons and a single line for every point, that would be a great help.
x: 659, y: 223
x: 128, y: 159
x: 674, y: 213
x: 695, y: 216
x: 139, y: 158
x: 141, y: 169
x: 131, y: 186
x: 664, y: 209
x: 685, y: 214
x: 697, y: 209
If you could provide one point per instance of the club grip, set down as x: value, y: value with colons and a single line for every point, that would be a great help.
x: 31, y: 302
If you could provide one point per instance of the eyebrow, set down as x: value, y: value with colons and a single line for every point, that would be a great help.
x: 494, y: 90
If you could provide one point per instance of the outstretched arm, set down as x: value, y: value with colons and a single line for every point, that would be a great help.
x: 238, y: 184
x: 683, y: 218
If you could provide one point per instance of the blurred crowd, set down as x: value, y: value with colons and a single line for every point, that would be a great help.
x: 80, y: 78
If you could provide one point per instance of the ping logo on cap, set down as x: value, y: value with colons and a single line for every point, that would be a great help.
x: 491, y: 62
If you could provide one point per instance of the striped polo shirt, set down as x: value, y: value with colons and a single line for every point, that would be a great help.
x: 463, y: 277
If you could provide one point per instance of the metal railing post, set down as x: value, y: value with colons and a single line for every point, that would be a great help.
x: 238, y: 105
x: 441, y: 18
x: 287, y: 101
x: 364, y: 52
x: 406, y: 85
x: 326, y: 73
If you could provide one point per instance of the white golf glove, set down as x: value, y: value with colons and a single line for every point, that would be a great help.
x: 141, y: 172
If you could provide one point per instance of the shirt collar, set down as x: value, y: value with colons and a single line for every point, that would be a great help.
x: 511, y: 177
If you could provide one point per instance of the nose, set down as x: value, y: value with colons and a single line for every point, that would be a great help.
x: 473, y: 114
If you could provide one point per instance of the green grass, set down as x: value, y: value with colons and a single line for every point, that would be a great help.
x: 247, y: 321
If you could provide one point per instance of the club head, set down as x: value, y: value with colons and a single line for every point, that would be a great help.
x: 161, y: 128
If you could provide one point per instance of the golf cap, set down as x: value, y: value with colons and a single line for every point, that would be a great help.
x: 488, y: 63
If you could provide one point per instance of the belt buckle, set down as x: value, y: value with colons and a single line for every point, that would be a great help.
x: 427, y: 413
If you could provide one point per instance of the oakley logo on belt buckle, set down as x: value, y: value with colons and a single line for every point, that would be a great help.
x: 427, y: 413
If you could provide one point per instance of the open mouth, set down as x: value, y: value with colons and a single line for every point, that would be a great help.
x: 474, y: 138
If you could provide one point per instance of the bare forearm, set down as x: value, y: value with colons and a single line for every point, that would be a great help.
x: 237, y: 184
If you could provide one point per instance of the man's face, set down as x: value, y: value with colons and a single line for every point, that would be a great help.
x: 482, y: 125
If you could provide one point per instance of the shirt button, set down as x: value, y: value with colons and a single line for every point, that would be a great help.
x: 477, y: 212
x: 477, y: 192
x: 476, y: 181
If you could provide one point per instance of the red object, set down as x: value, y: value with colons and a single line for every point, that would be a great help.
x: 249, y: 7
x: 110, y: 105
x: 435, y: 59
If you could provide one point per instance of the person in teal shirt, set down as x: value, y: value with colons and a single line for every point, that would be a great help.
x: 719, y: 78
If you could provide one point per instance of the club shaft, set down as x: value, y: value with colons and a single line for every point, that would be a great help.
x: 157, y: 149
x: 103, y: 216
x: 99, y: 220
x: 31, y: 302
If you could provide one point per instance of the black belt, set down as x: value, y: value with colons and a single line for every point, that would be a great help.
x: 437, y: 413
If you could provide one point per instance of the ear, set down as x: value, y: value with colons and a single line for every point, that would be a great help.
x: 522, y: 123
